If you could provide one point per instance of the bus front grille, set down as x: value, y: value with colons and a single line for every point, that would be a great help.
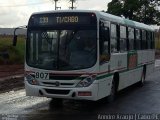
x: 61, y: 92
x: 63, y: 77
x: 54, y: 84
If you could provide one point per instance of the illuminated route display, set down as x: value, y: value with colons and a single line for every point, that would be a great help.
x: 63, y: 19
x: 68, y: 19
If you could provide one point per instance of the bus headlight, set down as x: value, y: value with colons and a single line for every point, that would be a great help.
x: 31, y: 80
x: 86, y: 82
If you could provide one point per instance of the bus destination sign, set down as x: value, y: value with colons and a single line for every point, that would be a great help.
x: 52, y: 20
x: 68, y: 19
x: 60, y: 20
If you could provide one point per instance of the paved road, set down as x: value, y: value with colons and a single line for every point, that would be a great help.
x: 132, y: 100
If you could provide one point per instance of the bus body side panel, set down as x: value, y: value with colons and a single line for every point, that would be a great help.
x: 147, y: 58
x: 104, y: 87
x: 104, y: 81
x: 149, y: 69
x: 117, y: 63
x: 151, y: 62
x: 130, y: 77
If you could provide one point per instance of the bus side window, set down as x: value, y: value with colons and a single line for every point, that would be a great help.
x: 152, y: 40
x: 114, y: 40
x: 104, y: 43
x: 144, y: 42
x: 138, y: 39
x: 149, y: 39
x: 123, y: 39
x: 131, y: 38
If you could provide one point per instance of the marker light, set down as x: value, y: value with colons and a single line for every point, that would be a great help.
x: 85, y: 93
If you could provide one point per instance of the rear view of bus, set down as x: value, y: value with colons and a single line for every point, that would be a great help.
x: 61, y: 51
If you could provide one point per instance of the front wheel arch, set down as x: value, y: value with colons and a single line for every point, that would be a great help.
x: 114, y: 88
x: 116, y: 78
x: 143, y: 76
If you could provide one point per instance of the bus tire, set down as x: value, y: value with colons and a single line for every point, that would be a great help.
x: 114, y: 88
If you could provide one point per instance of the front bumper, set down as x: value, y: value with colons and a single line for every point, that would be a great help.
x: 62, y: 92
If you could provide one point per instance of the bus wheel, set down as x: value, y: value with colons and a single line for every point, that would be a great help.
x: 112, y: 95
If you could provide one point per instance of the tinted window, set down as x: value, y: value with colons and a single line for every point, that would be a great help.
x: 61, y: 49
x: 113, y: 38
x: 123, y: 32
x: 123, y: 43
x: 104, y: 42
x: 131, y: 38
x: 152, y: 42
x: 138, y: 39
x: 149, y: 38
x: 144, y: 39
x: 113, y: 31
x: 130, y: 33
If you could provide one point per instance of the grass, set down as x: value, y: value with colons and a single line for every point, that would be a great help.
x: 16, y: 54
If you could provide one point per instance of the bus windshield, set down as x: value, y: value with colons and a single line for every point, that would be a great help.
x: 61, y: 49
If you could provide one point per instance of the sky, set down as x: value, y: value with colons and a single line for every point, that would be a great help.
x: 14, y: 13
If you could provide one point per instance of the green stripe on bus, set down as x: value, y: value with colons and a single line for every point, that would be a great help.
x: 104, y: 76
x: 110, y: 74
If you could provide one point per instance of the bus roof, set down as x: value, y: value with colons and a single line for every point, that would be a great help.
x: 106, y: 16
x: 127, y: 22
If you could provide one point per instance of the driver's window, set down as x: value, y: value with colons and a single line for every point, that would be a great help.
x: 104, y: 42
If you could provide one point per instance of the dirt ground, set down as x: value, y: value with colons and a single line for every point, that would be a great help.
x: 9, y: 79
x: 9, y: 70
x: 11, y: 84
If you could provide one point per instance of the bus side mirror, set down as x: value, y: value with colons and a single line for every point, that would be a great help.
x: 15, y: 36
x: 14, y: 40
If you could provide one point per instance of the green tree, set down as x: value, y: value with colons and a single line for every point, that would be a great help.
x: 145, y: 11
x: 115, y: 7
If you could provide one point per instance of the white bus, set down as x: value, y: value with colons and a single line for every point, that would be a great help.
x: 85, y: 55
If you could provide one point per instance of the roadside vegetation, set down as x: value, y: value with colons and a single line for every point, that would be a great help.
x: 10, y: 54
x: 157, y: 41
